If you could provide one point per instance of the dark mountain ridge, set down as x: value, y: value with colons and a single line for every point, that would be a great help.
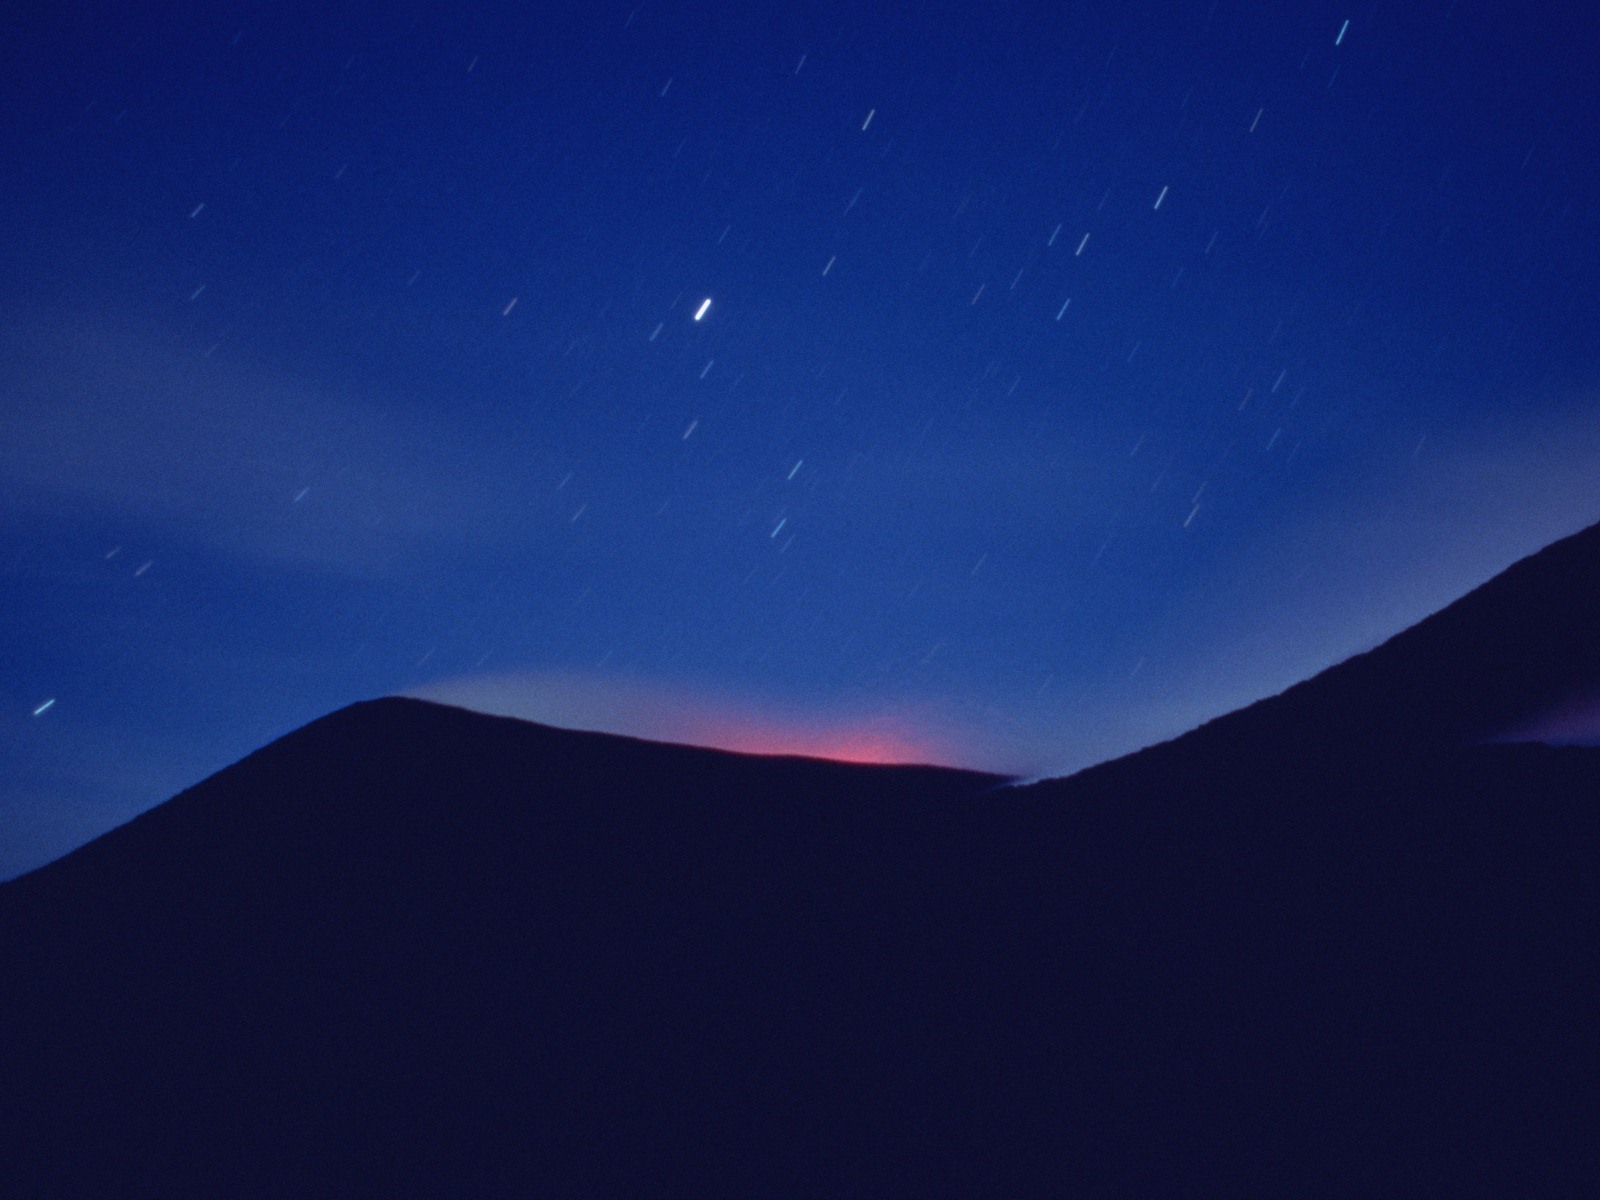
x: 1329, y: 945
x: 1524, y: 642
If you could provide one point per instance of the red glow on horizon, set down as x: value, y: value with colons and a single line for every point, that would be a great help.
x: 871, y: 743
x: 666, y: 712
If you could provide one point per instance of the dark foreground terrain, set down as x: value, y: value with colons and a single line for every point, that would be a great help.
x: 1336, y: 944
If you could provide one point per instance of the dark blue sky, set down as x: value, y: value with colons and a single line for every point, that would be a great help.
x: 1072, y: 373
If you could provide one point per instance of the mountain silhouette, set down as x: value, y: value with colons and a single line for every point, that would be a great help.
x: 1338, y: 943
x: 1522, y: 644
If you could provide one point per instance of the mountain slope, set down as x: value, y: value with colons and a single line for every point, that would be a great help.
x: 1325, y: 946
x: 407, y: 938
x: 1522, y: 643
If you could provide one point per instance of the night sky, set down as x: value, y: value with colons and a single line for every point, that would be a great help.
x: 1070, y: 374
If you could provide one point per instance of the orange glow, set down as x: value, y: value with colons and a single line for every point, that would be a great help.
x: 667, y: 712
x: 873, y: 744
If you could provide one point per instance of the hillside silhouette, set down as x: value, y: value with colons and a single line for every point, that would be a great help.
x: 1338, y: 943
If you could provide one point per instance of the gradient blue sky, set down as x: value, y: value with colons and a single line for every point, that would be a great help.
x: 1073, y: 373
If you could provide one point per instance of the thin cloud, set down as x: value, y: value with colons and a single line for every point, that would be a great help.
x: 109, y: 419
